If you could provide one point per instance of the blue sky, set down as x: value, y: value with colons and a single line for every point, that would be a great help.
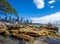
x: 35, y: 8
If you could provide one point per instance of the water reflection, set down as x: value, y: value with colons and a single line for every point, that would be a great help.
x: 22, y: 42
x: 59, y: 30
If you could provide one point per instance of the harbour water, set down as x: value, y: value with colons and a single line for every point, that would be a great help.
x: 59, y: 30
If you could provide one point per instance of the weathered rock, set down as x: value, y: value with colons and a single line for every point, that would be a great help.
x: 23, y: 37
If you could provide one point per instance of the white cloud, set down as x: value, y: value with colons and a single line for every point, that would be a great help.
x: 52, y: 1
x: 51, y: 6
x: 39, y: 3
x: 49, y: 18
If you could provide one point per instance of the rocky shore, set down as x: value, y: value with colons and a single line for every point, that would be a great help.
x: 28, y: 34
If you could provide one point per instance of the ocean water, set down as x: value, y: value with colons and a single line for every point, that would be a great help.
x: 58, y: 30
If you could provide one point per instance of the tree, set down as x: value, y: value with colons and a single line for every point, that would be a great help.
x: 6, y: 7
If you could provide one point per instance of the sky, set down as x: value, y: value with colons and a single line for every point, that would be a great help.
x: 39, y: 11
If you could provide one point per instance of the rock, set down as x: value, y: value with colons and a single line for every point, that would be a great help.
x: 23, y: 37
x: 6, y: 33
x: 14, y: 31
x: 50, y: 27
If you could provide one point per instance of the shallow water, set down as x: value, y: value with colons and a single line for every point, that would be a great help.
x: 59, y: 31
x: 45, y: 40
x: 9, y: 40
